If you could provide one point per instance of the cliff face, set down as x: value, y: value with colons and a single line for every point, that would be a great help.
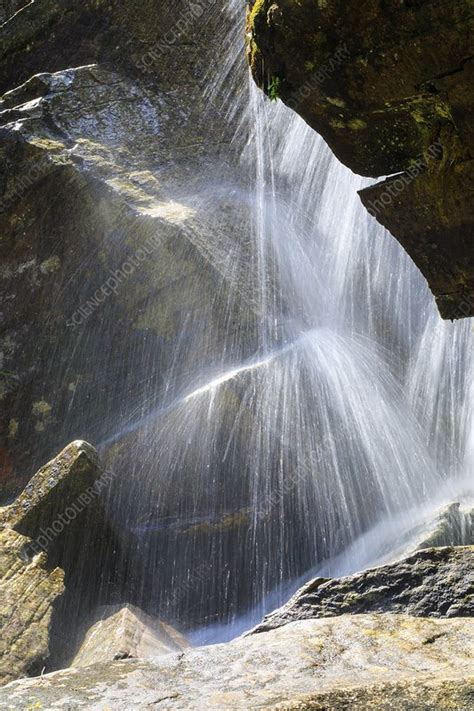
x: 389, y: 87
x: 105, y: 137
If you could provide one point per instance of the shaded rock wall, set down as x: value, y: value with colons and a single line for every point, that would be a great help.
x: 389, y: 87
x: 121, y: 214
x: 9, y: 7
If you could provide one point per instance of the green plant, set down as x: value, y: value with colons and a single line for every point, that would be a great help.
x: 274, y: 88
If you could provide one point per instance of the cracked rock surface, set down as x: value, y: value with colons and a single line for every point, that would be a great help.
x: 357, y: 662
x: 32, y: 565
x: 434, y: 582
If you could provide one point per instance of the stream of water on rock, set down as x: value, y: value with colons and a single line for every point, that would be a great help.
x: 338, y: 410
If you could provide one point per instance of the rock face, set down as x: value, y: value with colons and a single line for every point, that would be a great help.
x: 106, y: 146
x: 389, y: 87
x: 120, y: 210
x: 28, y: 592
x: 454, y: 526
x: 397, y: 636
x: 56, y: 487
x: 436, y: 582
x: 125, y: 632
x: 357, y: 662
x: 9, y: 7
x: 44, y: 589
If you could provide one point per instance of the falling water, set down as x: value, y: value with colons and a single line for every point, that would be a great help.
x: 323, y: 397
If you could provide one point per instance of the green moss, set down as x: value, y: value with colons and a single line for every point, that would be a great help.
x: 443, y: 111
x: 256, y: 19
x: 259, y: 5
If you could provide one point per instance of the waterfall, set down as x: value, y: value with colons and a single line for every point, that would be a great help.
x: 323, y: 397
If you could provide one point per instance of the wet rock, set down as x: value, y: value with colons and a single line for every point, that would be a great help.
x: 121, y: 209
x: 435, y: 582
x: 454, y: 526
x: 9, y: 7
x: 106, y: 147
x: 125, y: 632
x: 357, y: 662
x: 390, y: 90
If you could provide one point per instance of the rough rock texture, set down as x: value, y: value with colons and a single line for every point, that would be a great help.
x: 44, y: 589
x: 9, y: 7
x: 436, y: 582
x: 54, y: 488
x: 125, y: 632
x: 389, y: 87
x: 123, y: 208
x: 107, y: 143
x: 28, y: 591
x: 454, y: 526
x: 362, y: 662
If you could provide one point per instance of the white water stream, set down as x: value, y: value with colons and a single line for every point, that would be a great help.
x: 329, y: 426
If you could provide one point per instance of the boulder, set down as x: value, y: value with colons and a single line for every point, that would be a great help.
x: 29, y: 589
x: 353, y: 661
x: 66, y: 482
x: 45, y: 592
x: 125, y: 632
x: 389, y: 87
x: 434, y: 582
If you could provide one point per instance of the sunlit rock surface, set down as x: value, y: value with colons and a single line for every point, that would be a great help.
x: 125, y: 632
x: 436, y: 582
x: 28, y: 590
x: 53, y: 489
x: 389, y: 87
x: 357, y: 662
x: 44, y: 590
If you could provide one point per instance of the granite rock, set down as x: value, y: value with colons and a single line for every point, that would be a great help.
x: 353, y: 661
